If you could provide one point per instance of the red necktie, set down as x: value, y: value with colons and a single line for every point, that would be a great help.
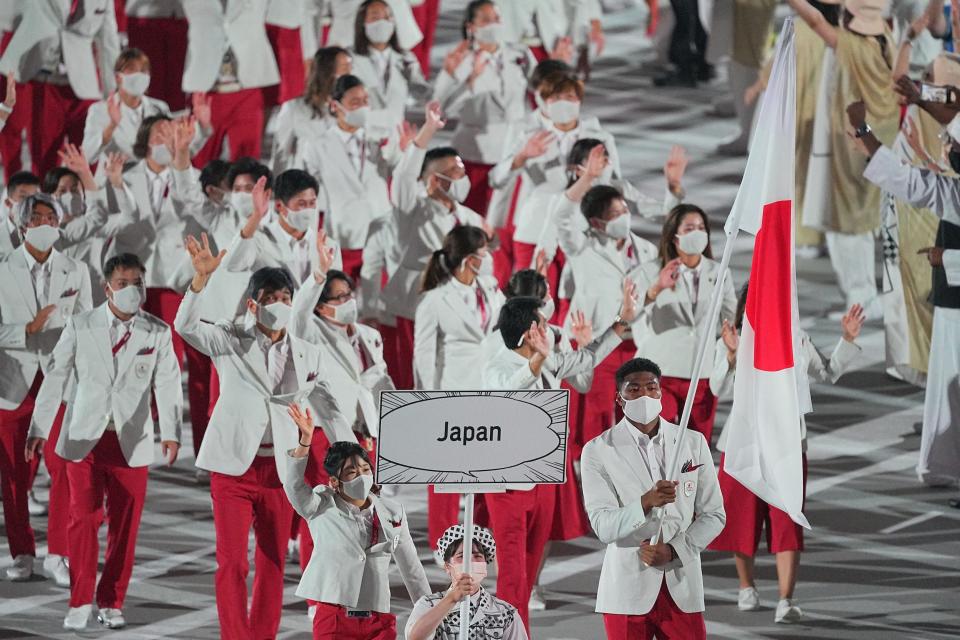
x: 124, y: 340
x: 482, y: 306
x: 375, y: 528
x: 74, y: 5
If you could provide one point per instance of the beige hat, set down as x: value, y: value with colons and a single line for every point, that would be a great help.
x: 946, y: 69
x: 867, y: 16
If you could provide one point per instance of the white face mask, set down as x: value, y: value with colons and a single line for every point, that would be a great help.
x: 72, y: 204
x: 359, y: 487
x: 562, y: 111
x: 489, y: 33
x: 274, y: 316
x: 547, y: 309
x: 242, y: 202
x: 478, y: 570
x: 160, y: 154
x: 356, y: 118
x: 135, y: 83
x: 486, y: 265
x: 642, y: 410
x: 458, y: 189
x: 42, y: 238
x: 345, y: 312
x: 129, y: 299
x: 693, y: 242
x: 619, y: 227
x: 301, y: 220
x: 379, y: 31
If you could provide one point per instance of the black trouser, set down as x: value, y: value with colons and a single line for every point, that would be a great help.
x: 688, y: 42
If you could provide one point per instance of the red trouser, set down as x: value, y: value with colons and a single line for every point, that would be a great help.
x: 352, y: 263
x: 389, y: 335
x: 332, y: 623
x: 164, y: 303
x: 746, y: 515
x: 164, y: 40
x: 665, y: 621
x: 254, y: 498
x: 443, y: 511
x: 237, y: 116
x: 674, y: 394
x: 521, y: 522
x: 403, y: 374
x: 426, y: 16
x: 16, y: 478
x: 524, y: 258
x: 58, y: 114
x: 600, y: 404
x: 478, y: 198
x: 288, y: 52
x: 104, y: 474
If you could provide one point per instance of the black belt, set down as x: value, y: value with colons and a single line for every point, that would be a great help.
x: 359, y: 614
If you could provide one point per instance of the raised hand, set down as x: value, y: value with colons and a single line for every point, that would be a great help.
x: 202, y: 110
x: 536, y: 337
x: 39, y: 320
x: 453, y: 60
x: 434, y: 116
x: 541, y: 262
x: 73, y: 159
x: 563, y: 50
x: 325, y: 253
x: 114, y: 169
x: 261, y: 199
x: 304, y: 421
x: 628, y: 310
x: 183, y: 132
x: 675, y: 167
x: 852, y: 322
x: 596, y: 162
x: 537, y: 144
x: 731, y: 339
x: 406, y: 133
x: 113, y: 108
x: 460, y: 588
x: 596, y: 36
x: 669, y: 274
x: 204, y: 262
x: 581, y: 329
x: 11, y: 98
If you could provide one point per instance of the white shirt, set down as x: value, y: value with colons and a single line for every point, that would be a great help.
x: 363, y: 518
x: 470, y: 298
x: 40, y: 273
x: 566, y: 140
x: 281, y: 376
x: 381, y: 60
x: 651, y: 450
x: 299, y: 249
x: 353, y: 143
x: 159, y: 185
x: 691, y: 279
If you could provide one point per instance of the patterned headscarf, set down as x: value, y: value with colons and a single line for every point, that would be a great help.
x: 481, y: 537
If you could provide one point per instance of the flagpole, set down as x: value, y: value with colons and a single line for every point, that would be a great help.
x: 467, y: 558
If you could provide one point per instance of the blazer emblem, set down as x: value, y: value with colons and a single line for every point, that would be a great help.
x: 688, y: 466
x: 146, y: 351
x: 68, y: 293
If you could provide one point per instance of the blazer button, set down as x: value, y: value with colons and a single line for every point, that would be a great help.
x: 361, y: 556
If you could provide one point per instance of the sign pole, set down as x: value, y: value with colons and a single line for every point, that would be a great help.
x: 467, y: 558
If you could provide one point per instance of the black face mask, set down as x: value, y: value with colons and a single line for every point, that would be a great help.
x: 954, y: 157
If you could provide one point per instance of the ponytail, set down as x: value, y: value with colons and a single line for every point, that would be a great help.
x: 460, y: 243
x: 436, y: 273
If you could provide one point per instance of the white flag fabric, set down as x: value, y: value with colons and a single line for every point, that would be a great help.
x: 763, y: 449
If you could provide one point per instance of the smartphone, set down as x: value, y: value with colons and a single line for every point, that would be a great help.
x: 935, y: 93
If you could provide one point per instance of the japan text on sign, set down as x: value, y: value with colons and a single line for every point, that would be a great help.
x: 469, y: 437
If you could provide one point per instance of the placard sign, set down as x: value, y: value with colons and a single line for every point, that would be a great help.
x: 472, y: 437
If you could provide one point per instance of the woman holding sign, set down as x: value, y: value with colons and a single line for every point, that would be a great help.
x: 437, y: 616
x: 459, y: 307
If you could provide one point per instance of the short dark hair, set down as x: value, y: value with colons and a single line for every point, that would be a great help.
x: 343, y: 84
x: 332, y: 276
x: 291, y: 182
x: 339, y: 453
x: 21, y: 178
x: 636, y: 365
x: 122, y: 261
x: 580, y: 151
x: 596, y: 202
x: 516, y: 314
x: 269, y: 280
x: 437, y: 153
x: 526, y: 282
x: 214, y: 173
x: 51, y: 180
x: 141, y: 145
x: 128, y: 55
x: 547, y: 67
x: 471, y: 14
x: 248, y: 166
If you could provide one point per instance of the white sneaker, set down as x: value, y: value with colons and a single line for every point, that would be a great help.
x: 537, y: 601
x: 77, y: 617
x: 312, y: 611
x: 787, y: 612
x: 56, y: 567
x: 22, y: 569
x: 111, y: 618
x: 34, y: 506
x: 749, y: 599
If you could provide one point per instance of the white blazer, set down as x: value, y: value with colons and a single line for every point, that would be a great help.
x: 297, y: 122
x: 546, y: 175
x: 380, y: 258
x: 390, y: 93
x: 615, y: 478
x: 270, y: 247
x: 241, y: 28
x: 668, y: 329
x: 421, y: 224
x: 112, y: 390
x: 22, y: 356
x: 353, y: 199
x: 552, y: 19
x: 487, y: 111
x: 343, y: 15
x: 44, y: 26
x: 357, y: 389
x: 598, y: 267
x: 344, y: 569
x: 448, y: 339
x: 247, y: 406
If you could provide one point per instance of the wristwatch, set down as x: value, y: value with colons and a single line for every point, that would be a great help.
x: 862, y: 130
x: 619, y: 321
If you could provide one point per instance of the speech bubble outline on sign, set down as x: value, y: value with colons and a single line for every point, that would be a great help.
x: 466, y: 437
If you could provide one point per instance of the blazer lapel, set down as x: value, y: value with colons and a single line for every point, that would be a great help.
x: 708, y: 280
x: 58, y: 278
x: 300, y: 365
x: 101, y: 337
x: 252, y: 357
x: 626, y: 448
x: 137, y: 180
x: 609, y: 252
x: 339, y: 157
x: 24, y: 282
x: 139, y: 333
x: 453, y: 300
x: 680, y: 296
